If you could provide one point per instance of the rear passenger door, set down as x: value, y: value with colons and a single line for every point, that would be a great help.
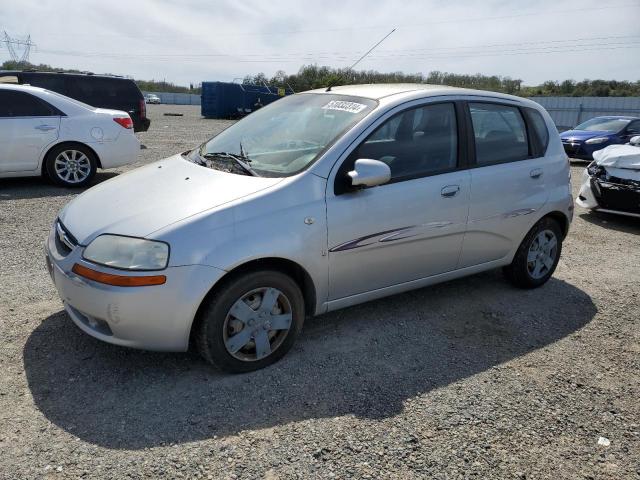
x: 507, y: 179
x: 27, y: 126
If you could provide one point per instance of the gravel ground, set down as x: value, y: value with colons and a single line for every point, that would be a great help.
x: 468, y: 379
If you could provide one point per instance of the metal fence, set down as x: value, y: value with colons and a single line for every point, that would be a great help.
x: 565, y: 111
x: 177, y: 98
x: 568, y: 112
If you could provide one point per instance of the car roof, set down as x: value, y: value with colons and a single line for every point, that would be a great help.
x: 68, y: 74
x: 28, y: 88
x: 411, y: 90
x: 57, y: 99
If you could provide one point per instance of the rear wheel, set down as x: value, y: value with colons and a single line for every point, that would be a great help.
x: 251, y: 321
x: 71, y: 165
x: 537, y: 256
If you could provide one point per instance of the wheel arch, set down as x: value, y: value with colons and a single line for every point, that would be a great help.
x: 562, y: 220
x: 70, y: 143
x: 293, y: 269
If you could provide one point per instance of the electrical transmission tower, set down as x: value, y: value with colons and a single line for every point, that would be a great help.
x: 10, y: 43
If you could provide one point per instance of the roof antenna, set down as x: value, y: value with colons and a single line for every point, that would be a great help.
x: 331, y: 84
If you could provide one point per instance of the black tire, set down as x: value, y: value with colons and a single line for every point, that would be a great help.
x: 81, y: 158
x: 518, y: 272
x: 212, y: 324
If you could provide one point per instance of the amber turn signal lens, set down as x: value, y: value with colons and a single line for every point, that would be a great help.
x: 118, y: 280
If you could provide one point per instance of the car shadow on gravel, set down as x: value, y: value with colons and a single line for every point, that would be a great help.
x: 365, y: 361
x: 38, y: 187
x: 621, y: 223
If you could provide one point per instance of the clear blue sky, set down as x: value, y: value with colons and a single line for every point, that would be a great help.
x: 195, y: 40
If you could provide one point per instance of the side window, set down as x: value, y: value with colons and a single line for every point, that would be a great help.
x: 500, y: 133
x: 539, y: 131
x: 51, y: 82
x: 417, y: 142
x: 20, y: 104
x: 5, y: 100
x: 634, y: 127
x: 387, y: 131
x: 8, y: 78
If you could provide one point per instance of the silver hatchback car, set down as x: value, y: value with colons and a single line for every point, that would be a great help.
x: 316, y: 202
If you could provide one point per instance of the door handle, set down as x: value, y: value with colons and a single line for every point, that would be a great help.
x: 535, y: 173
x: 45, y: 128
x: 450, y: 190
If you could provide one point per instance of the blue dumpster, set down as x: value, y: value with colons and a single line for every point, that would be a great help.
x: 233, y: 100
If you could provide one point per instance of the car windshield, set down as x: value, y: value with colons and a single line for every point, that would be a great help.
x: 286, y: 136
x: 607, y: 124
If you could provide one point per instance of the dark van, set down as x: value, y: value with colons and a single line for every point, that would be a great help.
x: 100, y: 91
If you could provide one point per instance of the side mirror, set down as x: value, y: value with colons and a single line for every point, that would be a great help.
x: 369, y: 173
x: 635, y: 140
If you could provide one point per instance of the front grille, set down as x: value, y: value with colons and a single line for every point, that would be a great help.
x: 571, y: 148
x: 65, y: 241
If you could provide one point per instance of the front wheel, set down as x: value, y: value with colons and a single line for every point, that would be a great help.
x: 71, y: 165
x: 251, y: 321
x: 537, y: 256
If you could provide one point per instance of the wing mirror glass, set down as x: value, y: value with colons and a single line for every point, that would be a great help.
x: 369, y: 173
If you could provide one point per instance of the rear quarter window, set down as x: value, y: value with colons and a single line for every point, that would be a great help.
x: 539, y: 131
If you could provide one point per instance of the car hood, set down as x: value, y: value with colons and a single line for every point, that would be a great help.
x: 619, y: 156
x: 151, y: 197
x: 584, y: 134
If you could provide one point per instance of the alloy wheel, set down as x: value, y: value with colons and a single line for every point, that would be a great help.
x: 72, y: 166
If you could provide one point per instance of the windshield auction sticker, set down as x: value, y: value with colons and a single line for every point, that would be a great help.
x: 351, y: 107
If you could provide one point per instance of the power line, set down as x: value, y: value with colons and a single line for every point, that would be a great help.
x: 219, y: 34
x: 550, y: 45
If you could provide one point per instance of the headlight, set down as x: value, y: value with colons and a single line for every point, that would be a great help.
x: 128, y: 253
x: 597, y: 140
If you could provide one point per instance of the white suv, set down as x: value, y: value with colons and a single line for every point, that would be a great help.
x: 316, y: 202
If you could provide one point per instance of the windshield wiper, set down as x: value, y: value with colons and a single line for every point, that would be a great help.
x: 241, y: 160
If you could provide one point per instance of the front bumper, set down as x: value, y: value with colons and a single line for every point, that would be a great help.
x: 151, y: 318
x: 609, y: 196
x: 581, y: 150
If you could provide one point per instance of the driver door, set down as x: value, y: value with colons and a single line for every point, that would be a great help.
x: 413, y: 226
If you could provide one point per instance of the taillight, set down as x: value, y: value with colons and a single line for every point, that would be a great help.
x: 124, y: 122
x: 143, y: 109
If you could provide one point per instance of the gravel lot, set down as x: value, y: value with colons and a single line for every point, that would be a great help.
x: 468, y: 379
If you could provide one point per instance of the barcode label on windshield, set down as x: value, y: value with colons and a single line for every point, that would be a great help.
x: 351, y: 107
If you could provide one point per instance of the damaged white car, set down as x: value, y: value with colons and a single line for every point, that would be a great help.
x: 611, y: 183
